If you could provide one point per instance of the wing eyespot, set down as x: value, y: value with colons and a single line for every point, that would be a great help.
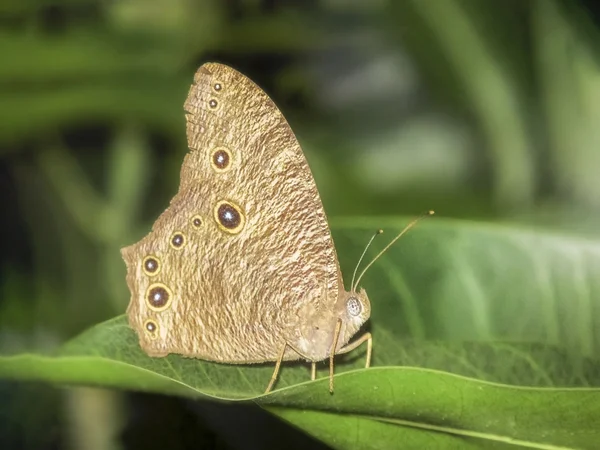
x: 221, y: 159
x: 159, y: 297
x: 197, y: 221
x: 151, y: 328
x: 151, y: 265
x: 229, y: 217
x: 177, y: 240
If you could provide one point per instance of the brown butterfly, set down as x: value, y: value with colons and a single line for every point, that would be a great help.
x: 241, y: 268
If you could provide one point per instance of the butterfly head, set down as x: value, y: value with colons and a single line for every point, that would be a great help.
x: 354, y: 309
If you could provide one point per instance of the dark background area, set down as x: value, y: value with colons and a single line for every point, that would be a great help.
x: 477, y: 109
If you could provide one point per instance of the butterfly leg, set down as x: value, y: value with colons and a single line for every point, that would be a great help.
x: 278, y: 364
x: 365, y: 337
x: 336, y: 336
x: 276, y: 371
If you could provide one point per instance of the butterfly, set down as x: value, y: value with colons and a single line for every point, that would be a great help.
x: 241, y: 268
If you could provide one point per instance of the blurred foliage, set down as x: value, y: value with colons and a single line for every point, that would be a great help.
x: 480, y: 110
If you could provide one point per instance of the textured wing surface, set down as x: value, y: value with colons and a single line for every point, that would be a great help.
x: 244, y: 250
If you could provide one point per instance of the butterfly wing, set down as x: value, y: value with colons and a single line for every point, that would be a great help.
x: 243, y: 257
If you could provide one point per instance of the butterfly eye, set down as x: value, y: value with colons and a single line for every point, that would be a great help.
x: 151, y: 266
x: 158, y: 297
x: 353, y: 306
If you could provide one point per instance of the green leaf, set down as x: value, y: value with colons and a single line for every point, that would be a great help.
x: 356, y: 432
x: 459, y: 280
x: 415, y: 405
x: 458, y: 308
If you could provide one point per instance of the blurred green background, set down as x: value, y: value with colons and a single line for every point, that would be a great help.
x: 478, y: 109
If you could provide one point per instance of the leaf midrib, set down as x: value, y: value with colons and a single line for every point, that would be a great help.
x: 209, y: 393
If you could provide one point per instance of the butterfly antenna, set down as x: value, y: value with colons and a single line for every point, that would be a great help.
x: 406, y: 228
x: 378, y: 232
